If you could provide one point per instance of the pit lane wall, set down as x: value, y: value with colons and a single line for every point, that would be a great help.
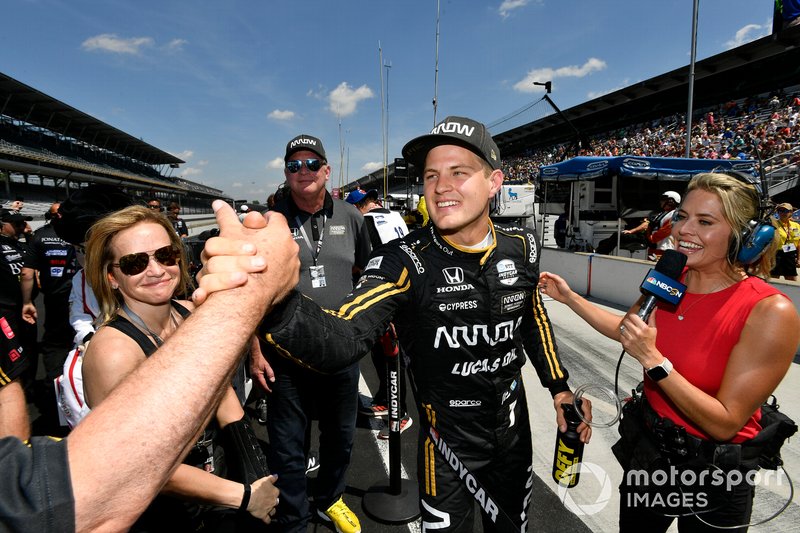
x: 616, y: 280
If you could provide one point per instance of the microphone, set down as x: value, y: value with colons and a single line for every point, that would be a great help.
x: 661, y: 285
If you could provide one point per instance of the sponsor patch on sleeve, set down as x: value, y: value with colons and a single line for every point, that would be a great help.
x: 374, y: 263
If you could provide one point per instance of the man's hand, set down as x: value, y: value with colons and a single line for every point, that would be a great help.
x: 29, y: 314
x: 584, y: 429
x: 261, y: 253
x: 260, y: 367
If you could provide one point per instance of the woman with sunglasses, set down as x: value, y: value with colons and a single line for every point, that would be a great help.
x: 136, y: 264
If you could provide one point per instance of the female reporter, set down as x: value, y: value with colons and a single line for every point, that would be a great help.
x: 135, y: 263
x: 709, y: 364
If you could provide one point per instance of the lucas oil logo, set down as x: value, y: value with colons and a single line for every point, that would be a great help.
x: 507, y: 272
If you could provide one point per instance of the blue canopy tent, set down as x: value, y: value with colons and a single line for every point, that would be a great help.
x: 636, y: 192
x: 651, y: 168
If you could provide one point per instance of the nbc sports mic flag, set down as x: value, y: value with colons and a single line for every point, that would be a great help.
x: 663, y: 287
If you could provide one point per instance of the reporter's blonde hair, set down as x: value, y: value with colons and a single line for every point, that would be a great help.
x: 740, y: 204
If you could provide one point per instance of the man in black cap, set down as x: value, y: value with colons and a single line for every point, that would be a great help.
x: 19, y: 260
x: 462, y: 293
x: 334, y: 247
x: 54, y: 260
x: 14, y: 356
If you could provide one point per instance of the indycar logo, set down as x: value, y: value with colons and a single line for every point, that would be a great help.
x: 453, y: 275
x: 507, y: 272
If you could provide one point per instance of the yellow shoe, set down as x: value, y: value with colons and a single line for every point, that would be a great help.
x: 344, y: 520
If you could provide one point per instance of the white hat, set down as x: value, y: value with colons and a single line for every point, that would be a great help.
x: 243, y: 208
x: 675, y: 197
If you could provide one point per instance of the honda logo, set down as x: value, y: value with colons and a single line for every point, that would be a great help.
x: 453, y: 275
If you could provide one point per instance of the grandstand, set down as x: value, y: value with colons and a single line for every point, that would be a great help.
x: 752, y: 91
x: 48, y: 149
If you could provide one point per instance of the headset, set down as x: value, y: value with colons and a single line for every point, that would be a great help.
x: 760, y: 232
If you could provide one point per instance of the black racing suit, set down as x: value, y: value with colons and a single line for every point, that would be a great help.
x: 467, y: 319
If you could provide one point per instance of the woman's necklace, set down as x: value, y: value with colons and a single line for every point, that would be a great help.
x: 681, y: 314
x: 139, y: 322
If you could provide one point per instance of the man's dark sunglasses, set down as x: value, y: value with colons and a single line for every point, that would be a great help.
x: 294, y: 165
x: 133, y: 264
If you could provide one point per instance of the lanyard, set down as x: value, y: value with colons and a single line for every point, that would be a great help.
x: 139, y: 322
x: 314, y: 253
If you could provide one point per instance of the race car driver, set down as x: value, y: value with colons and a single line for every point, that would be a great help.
x: 462, y: 293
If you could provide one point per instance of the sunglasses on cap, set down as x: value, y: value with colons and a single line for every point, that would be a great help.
x: 294, y: 165
x: 133, y: 264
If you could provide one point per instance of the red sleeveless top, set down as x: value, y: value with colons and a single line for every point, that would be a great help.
x: 699, y: 345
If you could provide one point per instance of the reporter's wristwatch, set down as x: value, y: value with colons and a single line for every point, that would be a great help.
x: 660, y: 371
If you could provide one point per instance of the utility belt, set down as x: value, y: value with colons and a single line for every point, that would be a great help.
x: 647, y: 438
x: 679, y: 446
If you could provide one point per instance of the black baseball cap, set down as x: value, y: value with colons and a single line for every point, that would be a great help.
x: 11, y: 217
x: 460, y: 131
x: 304, y: 142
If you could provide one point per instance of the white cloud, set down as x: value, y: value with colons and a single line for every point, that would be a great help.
x: 190, y: 171
x: 276, y: 163
x: 749, y: 33
x: 372, y: 166
x: 185, y: 155
x: 509, y: 5
x: 176, y: 44
x: 548, y: 74
x: 110, y: 42
x: 202, y: 162
x: 237, y: 185
x: 343, y: 100
x: 280, y: 114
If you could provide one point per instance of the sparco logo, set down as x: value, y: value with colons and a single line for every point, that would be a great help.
x: 303, y: 141
x: 465, y: 403
x: 453, y: 275
x: 534, y: 249
x: 414, y: 258
x: 454, y: 127
x: 456, y: 335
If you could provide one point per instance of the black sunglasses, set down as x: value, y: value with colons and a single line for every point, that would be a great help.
x: 133, y: 264
x: 294, y: 165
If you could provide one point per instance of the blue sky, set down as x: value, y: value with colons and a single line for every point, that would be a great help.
x: 225, y: 84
